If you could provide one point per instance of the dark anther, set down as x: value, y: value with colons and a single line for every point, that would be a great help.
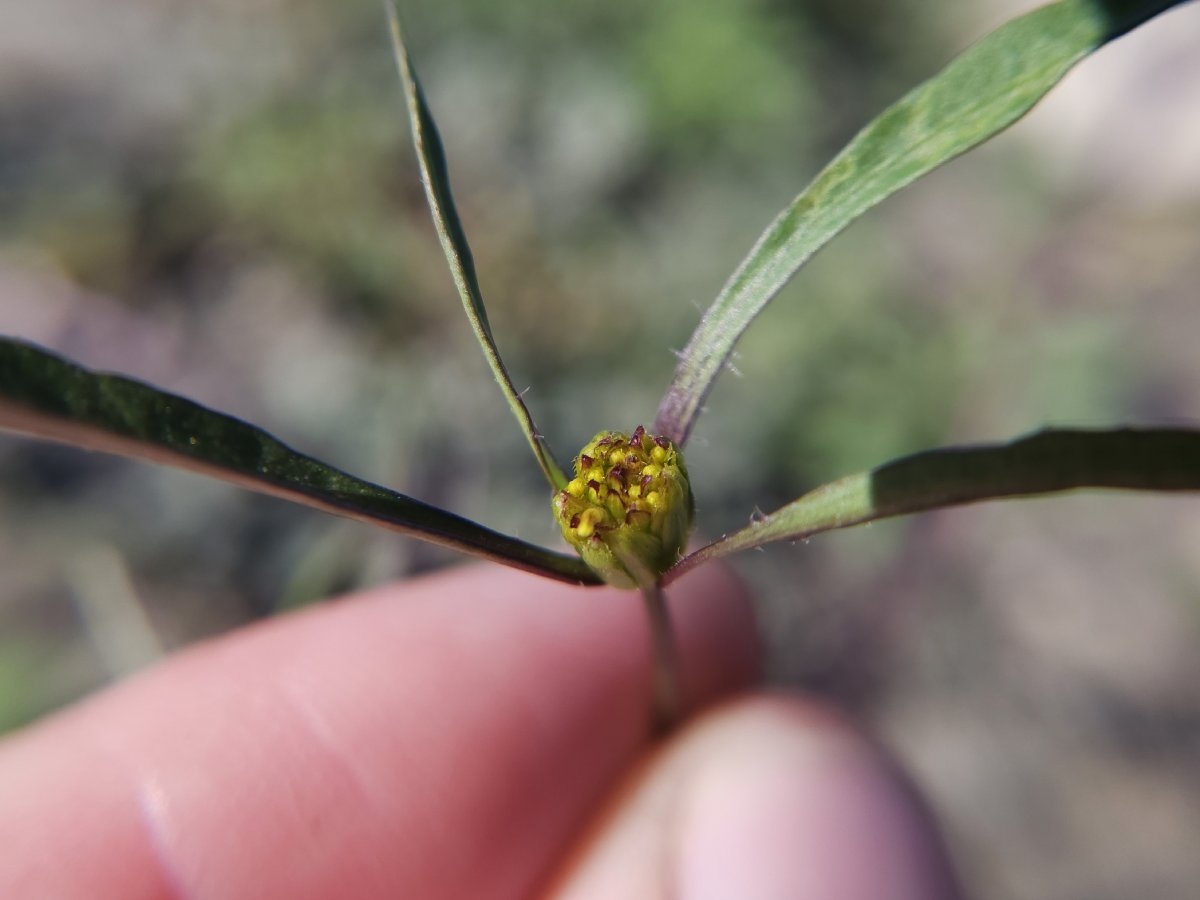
x: 638, y: 434
x: 646, y: 479
x: 637, y: 515
x: 585, y: 461
x: 575, y: 521
x: 662, y: 442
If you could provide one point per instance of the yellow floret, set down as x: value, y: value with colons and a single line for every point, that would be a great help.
x: 588, y: 520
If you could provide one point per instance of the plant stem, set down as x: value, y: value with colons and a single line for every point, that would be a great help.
x: 667, y: 691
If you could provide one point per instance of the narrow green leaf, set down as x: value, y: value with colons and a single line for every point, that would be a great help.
x: 436, y: 178
x: 1162, y: 459
x: 980, y: 93
x: 48, y: 397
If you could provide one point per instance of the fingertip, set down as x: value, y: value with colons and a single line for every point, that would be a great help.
x: 790, y: 802
x: 767, y: 797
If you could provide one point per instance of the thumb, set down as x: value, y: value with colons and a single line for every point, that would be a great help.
x: 767, y: 798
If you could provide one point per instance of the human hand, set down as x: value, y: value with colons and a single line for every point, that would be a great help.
x: 475, y: 734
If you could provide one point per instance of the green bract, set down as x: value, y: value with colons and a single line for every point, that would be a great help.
x: 629, y: 508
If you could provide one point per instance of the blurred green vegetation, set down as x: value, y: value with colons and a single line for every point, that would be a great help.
x: 220, y: 198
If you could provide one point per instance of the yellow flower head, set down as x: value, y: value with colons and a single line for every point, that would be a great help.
x: 629, y: 505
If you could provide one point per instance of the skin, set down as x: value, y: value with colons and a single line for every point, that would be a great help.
x: 479, y: 733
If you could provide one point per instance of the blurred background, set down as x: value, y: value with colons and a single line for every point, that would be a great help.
x: 219, y: 197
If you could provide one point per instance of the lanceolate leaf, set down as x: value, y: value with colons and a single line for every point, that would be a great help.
x: 979, y: 94
x: 45, y: 396
x: 434, y: 174
x: 1042, y: 463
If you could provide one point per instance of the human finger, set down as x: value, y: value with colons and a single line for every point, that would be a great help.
x: 433, y: 739
x: 774, y: 798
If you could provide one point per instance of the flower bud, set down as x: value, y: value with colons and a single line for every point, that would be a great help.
x: 629, y: 505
